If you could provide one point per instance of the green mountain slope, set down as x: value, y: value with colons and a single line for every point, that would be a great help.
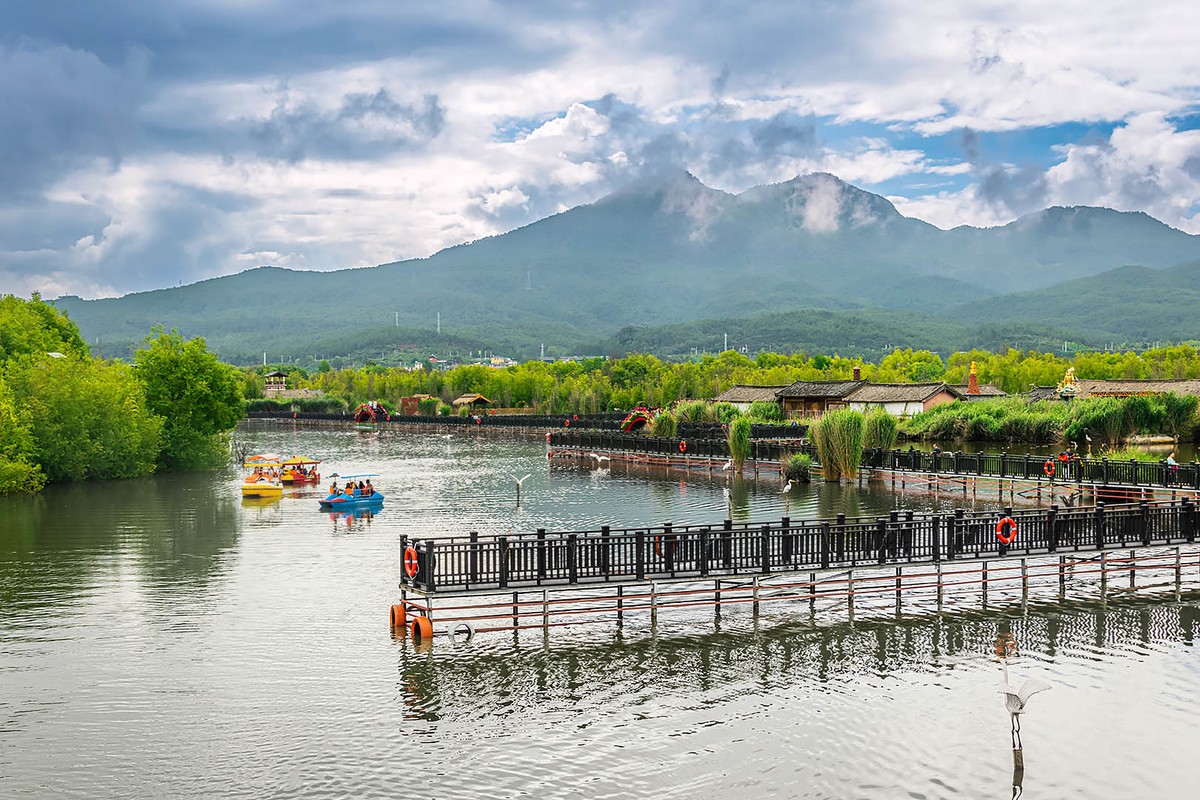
x: 1130, y: 305
x: 665, y: 251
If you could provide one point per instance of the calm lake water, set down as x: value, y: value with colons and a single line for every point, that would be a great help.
x: 163, y: 638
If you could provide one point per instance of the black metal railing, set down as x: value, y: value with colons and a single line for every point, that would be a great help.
x: 747, y: 549
x: 1158, y: 474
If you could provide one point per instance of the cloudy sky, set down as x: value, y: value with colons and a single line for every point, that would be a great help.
x: 144, y: 144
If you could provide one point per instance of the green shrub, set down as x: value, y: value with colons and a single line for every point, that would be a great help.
x: 428, y: 406
x: 444, y: 409
x: 798, y: 467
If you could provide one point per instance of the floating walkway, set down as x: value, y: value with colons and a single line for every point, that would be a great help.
x: 538, y: 580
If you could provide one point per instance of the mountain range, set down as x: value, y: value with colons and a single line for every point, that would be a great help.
x: 813, y: 263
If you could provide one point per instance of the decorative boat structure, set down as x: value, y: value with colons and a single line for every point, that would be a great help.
x: 300, y: 469
x: 262, y: 481
x: 355, y: 498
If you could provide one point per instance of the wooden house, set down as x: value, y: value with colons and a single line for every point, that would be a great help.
x: 813, y: 398
x: 742, y: 395
x: 900, y: 399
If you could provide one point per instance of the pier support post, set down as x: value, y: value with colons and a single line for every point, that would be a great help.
x: 653, y: 604
x: 984, y: 579
x: 1024, y: 584
x: 812, y: 592
x: 850, y: 595
x: 755, y: 603
x: 1132, y: 570
x: 899, y: 584
x: 939, y: 587
x: 1104, y: 576
x: 620, y: 606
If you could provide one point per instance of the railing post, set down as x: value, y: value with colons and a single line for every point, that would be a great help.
x: 825, y: 545
x: 1001, y: 463
x: 639, y: 545
x: 704, y: 545
x: 1104, y: 469
x: 473, y: 560
x: 727, y: 544
x: 1189, y: 520
x: 1052, y: 528
x: 572, y: 557
x: 1144, y: 522
x: 541, y: 553
x: 668, y: 547
x: 431, y: 565
x: 881, y: 538
x: 935, y: 549
x: 1098, y: 523
x: 765, y: 550
x: 785, y: 526
x: 840, y: 540
x: 503, y: 561
x: 605, y: 550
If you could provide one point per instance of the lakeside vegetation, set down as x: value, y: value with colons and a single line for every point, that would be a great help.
x: 599, y: 385
x: 66, y: 416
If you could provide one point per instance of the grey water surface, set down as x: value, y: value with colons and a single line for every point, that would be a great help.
x: 164, y: 638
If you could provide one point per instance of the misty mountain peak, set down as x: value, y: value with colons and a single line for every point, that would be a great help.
x: 822, y: 203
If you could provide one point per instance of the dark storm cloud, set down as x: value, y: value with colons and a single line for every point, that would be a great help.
x: 1008, y: 189
x: 784, y: 134
x: 63, y: 108
x: 364, y: 126
x: 210, y: 41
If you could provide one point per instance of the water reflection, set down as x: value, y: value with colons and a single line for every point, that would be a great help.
x: 460, y: 680
x: 172, y: 529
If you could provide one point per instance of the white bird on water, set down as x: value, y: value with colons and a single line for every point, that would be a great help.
x: 1015, y: 700
x: 789, y: 486
x: 599, y: 458
x: 519, y: 480
x: 727, y: 465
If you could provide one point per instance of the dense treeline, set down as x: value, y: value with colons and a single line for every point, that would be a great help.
x: 65, y: 416
x: 597, y: 385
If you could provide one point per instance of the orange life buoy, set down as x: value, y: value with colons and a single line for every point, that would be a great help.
x: 574, y: 416
x: 547, y: 437
x: 1048, y: 467
x: 1006, y: 530
x: 410, y: 562
x: 566, y: 423
x: 1006, y: 646
x: 682, y: 446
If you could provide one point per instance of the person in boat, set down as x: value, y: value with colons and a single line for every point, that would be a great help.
x: 333, y: 487
x: 371, y: 489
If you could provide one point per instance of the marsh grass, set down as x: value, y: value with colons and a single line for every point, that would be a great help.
x: 838, y: 436
x: 738, y: 440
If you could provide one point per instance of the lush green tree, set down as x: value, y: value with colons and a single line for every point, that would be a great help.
x: 87, y: 418
x: 198, y: 397
x: 31, y: 327
x: 18, y: 470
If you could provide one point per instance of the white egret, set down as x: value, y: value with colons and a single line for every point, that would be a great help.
x: 519, y: 482
x: 599, y: 458
x: 789, y: 486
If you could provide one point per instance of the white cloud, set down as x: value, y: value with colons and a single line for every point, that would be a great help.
x: 203, y: 155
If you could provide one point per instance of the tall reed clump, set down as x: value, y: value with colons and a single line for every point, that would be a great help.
x: 695, y: 411
x: 766, y: 411
x: 664, y: 425
x: 839, y: 439
x: 726, y: 412
x: 739, y: 441
x: 880, y: 430
x: 428, y: 406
